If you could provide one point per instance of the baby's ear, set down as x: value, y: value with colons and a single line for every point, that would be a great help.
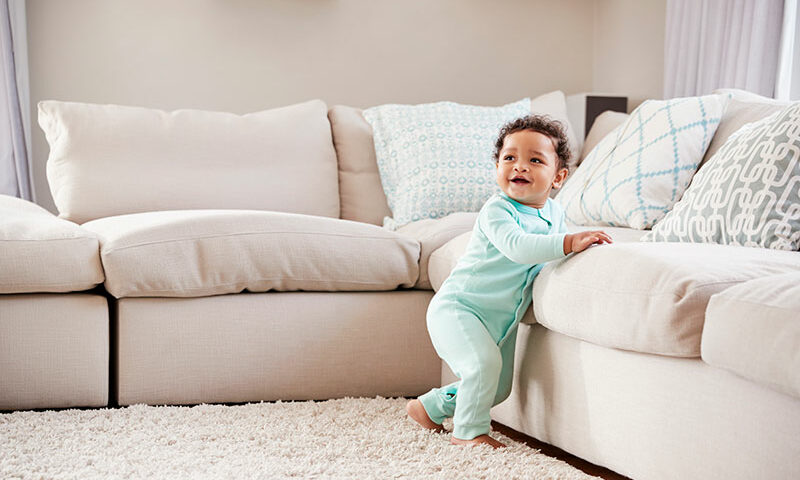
x: 561, y: 175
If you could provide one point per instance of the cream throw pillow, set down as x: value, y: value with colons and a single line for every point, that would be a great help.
x: 110, y: 160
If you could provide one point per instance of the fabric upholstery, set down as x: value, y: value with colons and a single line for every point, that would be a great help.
x: 646, y: 297
x: 274, y: 346
x: 54, y: 351
x: 362, y: 197
x: 753, y: 329
x: 43, y: 253
x: 604, y: 124
x: 112, y: 160
x: 432, y: 234
x: 194, y: 253
x: 443, y: 259
x: 649, y: 416
x: 739, y: 112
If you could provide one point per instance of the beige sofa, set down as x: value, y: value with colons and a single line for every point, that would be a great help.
x: 662, y: 360
x: 54, y: 345
x: 243, y: 267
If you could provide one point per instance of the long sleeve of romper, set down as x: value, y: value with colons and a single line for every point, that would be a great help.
x: 501, y: 228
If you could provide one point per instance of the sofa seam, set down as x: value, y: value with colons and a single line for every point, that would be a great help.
x: 48, y: 284
x: 639, y: 292
x: 737, y: 299
x: 191, y: 289
x: 157, y: 242
x: 42, y: 240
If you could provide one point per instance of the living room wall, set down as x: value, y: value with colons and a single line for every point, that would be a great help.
x: 628, y: 49
x: 248, y: 55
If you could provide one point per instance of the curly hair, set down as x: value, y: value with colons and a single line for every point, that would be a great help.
x: 543, y: 124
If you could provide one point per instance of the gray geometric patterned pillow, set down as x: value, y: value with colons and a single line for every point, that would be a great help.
x: 747, y: 194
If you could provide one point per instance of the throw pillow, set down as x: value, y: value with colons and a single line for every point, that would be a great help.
x: 748, y: 193
x: 639, y: 170
x: 435, y: 159
x: 108, y: 160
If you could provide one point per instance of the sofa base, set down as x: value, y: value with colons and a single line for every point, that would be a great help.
x: 645, y: 416
x: 54, y: 351
x: 273, y: 346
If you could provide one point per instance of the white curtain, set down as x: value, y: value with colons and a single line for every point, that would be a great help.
x: 712, y: 44
x: 787, y: 86
x: 15, y: 176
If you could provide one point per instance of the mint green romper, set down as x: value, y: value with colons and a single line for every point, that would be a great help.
x: 473, y: 318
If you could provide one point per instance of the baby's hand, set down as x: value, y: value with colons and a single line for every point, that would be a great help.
x: 578, y: 242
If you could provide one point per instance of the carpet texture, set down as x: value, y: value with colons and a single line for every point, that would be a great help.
x: 345, y: 438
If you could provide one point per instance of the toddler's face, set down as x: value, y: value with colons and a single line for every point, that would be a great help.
x: 527, y: 168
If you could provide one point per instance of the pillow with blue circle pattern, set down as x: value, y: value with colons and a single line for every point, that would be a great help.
x: 634, y: 176
x: 436, y: 159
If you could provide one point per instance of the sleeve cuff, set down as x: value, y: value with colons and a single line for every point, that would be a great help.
x: 559, y: 246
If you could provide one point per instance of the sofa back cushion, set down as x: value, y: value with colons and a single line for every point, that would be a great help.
x: 604, y: 124
x: 110, y: 160
x: 737, y: 114
x: 360, y: 189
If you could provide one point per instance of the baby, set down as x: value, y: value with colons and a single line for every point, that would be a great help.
x: 473, y: 318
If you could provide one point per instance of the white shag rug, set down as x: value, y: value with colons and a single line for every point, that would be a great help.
x: 358, y: 438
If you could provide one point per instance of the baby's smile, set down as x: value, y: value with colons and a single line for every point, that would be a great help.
x: 520, y: 180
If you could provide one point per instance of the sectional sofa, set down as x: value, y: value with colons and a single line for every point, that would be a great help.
x: 210, y: 257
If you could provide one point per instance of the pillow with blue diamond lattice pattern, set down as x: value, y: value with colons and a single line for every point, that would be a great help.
x: 435, y: 159
x: 634, y: 176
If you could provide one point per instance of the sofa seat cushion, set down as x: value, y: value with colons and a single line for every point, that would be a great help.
x: 432, y: 233
x: 43, y: 253
x: 193, y: 253
x: 646, y: 297
x: 753, y: 329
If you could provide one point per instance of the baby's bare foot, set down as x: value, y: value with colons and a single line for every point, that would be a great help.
x: 417, y: 413
x: 485, y: 438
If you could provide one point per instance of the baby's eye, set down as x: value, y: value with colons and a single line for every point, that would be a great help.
x: 535, y: 160
x: 508, y: 157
